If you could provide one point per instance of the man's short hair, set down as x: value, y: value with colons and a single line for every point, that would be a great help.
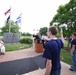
x: 74, y: 34
x: 53, y: 30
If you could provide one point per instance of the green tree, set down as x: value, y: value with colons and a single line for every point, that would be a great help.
x: 43, y: 30
x: 23, y: 34
x: 26, y: 34
x: 13, y: 28
x: 66, y: 18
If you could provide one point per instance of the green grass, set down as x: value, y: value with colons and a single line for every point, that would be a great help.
x: 66, y: 44
x: 14, y: 47
x: 66, y: 56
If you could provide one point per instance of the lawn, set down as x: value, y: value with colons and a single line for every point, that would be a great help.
x: 14, y: 47
x: 65, y: 56
x: 66, y: 44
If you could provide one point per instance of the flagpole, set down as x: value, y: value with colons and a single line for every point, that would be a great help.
x: 20, y: 29
x: 10, y: 21
x: 20, y: 24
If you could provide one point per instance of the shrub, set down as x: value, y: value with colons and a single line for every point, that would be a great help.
x: 26, y: 40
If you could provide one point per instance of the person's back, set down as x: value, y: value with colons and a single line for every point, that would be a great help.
x: 52, y: 53
x: 55, y: 47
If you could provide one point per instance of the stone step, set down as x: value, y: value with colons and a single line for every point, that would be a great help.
x: 36, y: 72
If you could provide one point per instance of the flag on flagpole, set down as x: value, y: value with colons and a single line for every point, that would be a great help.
x: 8, y: 11
x: 8, y: 19
x: 18, y: 19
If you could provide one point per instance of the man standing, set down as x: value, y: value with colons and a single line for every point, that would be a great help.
x: 52, y: 53
x: 73, y: 52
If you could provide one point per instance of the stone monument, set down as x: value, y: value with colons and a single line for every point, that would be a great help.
x: 11, y: 38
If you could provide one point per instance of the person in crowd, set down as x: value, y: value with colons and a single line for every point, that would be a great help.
x: 69, y: 40
x: 52, y: 52
x: 2, y: 47
x: 73, y: 53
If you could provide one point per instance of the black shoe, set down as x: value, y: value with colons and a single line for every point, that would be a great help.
x: 71, y: 66
x: 71, y: 69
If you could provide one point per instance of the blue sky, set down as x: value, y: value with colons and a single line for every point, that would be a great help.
x: 35, y: 13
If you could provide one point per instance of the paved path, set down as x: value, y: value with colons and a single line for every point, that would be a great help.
x: 19, y: 54
x: 9, y: 56
x: 64, y: 71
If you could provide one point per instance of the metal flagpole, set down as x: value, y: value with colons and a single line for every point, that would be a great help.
x: 10, y: 21
x: 20, y: 29
x: 20, y: 24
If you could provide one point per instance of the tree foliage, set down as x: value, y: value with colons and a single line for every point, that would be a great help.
x: 43, y: 30
x: 26, y: 34
x: 66, y: 18
x: 13, y: 27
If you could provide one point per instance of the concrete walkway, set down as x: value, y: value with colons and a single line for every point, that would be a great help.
x: 64, y: 71
x: 19, y: 54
